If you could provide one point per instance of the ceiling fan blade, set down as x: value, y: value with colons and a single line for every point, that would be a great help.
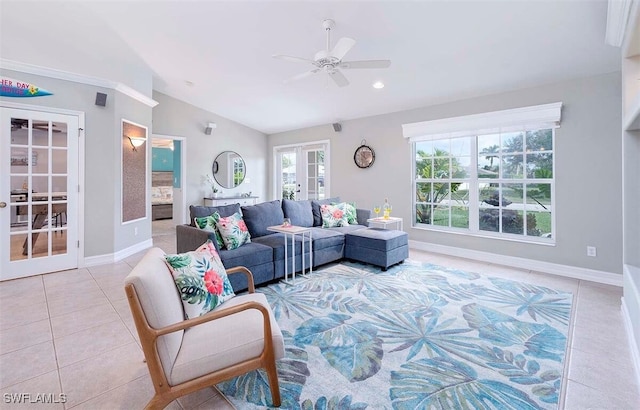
x: 303, y: 75
x: 339, y: 78
x: 292, y: 59
x: 365, y: 64
x: 342, y: 47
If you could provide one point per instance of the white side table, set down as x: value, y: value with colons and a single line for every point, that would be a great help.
x: 292, y: 231
x: 384, y: 223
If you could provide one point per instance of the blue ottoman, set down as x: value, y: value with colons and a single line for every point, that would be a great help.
x: 380, y: 247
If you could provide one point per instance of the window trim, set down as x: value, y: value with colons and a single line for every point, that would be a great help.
x: 495, y: 122
x: 524, y: 119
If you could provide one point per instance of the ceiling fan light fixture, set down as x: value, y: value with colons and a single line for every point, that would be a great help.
x: 330, y: 61
x: 378, y: 85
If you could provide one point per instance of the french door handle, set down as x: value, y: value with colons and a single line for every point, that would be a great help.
x: 3, y: 204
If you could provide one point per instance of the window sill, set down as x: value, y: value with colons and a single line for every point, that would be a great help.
x: 533, y: 240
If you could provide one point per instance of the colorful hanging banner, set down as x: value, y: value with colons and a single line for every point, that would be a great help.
x: 16, y: 88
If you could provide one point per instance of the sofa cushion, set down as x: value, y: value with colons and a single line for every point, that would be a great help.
x: 315, y: 208
x: 299, y: 212
x: 233, y: 230
x: 345, y: 229
x: 200, y: 211
x: 208, y: 224
x: 259, y: 217
x: 349, y: 210
x: 248, y: 255
x: 333, y: 216
x: 326, y: 238
x: 201, y: 280
x: 276, y: 242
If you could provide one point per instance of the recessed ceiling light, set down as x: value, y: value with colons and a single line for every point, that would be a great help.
x: 378, y: 85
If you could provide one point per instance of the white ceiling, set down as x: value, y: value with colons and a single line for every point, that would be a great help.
x: 440, y: 50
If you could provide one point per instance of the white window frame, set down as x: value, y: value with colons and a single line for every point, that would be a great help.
x: 545, y: 116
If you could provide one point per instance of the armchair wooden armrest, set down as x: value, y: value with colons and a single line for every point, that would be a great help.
x: 247, y: 272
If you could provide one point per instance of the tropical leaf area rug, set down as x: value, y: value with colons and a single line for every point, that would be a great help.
x: 418, y: 336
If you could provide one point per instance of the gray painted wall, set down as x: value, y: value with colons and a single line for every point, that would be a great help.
x: 179, y: 119
x: 588, y: 171
x: 104, y: 234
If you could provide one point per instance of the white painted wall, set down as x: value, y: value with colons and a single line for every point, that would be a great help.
x: 588, y: 171
x: 104, y: 234
x: 175, y: 117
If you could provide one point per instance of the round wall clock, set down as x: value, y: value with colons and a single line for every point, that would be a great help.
x: 364, y: 156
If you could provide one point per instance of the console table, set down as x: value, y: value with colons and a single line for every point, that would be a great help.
x: 229, y: 200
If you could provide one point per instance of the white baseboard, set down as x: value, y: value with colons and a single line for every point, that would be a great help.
x: 633, y: 343
x: 592, y: 275
x: 118, y: 256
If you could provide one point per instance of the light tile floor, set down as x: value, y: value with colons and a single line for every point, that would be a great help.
x: 71, y: 332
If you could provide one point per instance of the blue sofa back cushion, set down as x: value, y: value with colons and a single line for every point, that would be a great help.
x: 259, y: 217
x: 198, y: 211
x: 315, y: 209
x: 299, y: 212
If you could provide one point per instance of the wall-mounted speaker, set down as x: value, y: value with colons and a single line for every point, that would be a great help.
x: 337, y: 127
x: 210, y: 127
x: 101, y: 99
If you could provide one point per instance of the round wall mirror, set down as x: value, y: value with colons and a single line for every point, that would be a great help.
x: 229, y: 169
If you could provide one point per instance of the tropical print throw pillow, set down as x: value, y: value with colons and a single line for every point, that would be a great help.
x: 349, y: 210
x: 233, y: 230
x: 333, y: 216
x: 208, y: 223
x: 201, y: 279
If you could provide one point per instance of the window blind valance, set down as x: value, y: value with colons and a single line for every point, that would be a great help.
x: 517, y: 119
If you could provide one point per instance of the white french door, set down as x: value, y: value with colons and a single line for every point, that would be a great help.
x: 38, y: 192
x: 302, y: 171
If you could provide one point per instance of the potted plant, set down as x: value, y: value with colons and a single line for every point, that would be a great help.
x: 215, y: 192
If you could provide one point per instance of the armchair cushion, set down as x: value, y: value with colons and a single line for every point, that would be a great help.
x: 223, y: 342
x: 201, y: 280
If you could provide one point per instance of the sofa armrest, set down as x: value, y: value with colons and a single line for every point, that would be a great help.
x: 362, y: 215
x: 189, y: 238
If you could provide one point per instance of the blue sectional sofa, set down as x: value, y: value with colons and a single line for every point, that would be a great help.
x: 264, y: 256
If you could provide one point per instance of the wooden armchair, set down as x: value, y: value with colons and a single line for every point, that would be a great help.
x: 187, y: 355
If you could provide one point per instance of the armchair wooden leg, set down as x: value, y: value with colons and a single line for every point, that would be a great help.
x: 274, y: 386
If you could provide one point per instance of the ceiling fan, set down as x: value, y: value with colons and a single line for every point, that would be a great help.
x: 17, y: 123
x: 330, y: 60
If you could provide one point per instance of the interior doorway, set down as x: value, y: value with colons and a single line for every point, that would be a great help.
x: 168, y: 178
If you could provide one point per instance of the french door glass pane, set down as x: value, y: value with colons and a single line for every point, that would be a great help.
x: 288, y: 165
